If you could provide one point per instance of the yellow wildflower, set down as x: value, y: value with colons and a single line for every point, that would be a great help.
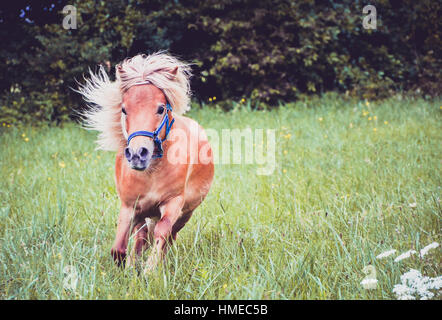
x: 26, y: 139
x: 23, y: 135
x: 285, y: 152
x: 320, y: 119
x: 243, y: 100
x: 325, y: 136
x: 285, y: 171
x: 287, y: 136
x: 375, y: 118
x: 375, y: 129
x: 8, y: 125
x: 224, y: 285
x: 351, y: 125
x: 369, y: 118
x: 367, y: 103
x: 62, y: 164
x: 85, y: 154
x: 385, y: 122
x: 4, y: 124
x: 210, y: 99
x: 49, y: 178
x: 214, y: 98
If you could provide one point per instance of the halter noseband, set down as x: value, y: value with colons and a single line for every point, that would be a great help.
x: 154, y: 135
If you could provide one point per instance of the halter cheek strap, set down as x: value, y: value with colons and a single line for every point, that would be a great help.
x: 154, y: 135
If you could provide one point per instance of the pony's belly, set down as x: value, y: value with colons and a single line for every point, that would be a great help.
x: 151, y: 212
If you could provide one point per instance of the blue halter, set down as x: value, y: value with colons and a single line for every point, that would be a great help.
x: 154, y: 135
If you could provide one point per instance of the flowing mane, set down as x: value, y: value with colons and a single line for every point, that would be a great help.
x: 104, y: 96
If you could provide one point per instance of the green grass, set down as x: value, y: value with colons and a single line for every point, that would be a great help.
x: 339, y: 196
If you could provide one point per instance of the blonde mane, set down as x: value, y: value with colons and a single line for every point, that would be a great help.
x: 104, y: 96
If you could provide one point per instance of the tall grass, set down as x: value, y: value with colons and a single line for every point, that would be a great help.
x: 345, y: 189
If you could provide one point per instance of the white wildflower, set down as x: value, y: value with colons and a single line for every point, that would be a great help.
x: 402, y: 291
x: 425, y: 250
x: 405, y: 255
x: 436, y: 283
x: 414, y: 284
x: 410, y: 275
x: 406, y: 297
x: 386, y: 254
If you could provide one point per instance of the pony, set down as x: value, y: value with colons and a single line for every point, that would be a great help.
x: 140, y: 117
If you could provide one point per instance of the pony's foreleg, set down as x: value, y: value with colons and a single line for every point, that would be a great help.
x: 119, y: 248
x: 162, y: 235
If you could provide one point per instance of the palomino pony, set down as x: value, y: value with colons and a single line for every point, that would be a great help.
x: 139, y: 117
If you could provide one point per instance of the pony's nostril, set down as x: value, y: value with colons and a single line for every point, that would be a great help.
x: 128, y: 153
x: 143, y: 152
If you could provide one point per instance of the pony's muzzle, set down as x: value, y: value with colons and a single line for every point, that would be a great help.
x: 137, y: 159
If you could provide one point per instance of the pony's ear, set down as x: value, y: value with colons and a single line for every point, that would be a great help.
x: 174, y: 71
x: 118, y: 70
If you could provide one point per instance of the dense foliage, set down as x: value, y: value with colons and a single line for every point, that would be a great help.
x: 268, y: 51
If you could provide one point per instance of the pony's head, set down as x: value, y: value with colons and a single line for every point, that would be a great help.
x: 135, y: 101
x: 144, y: 109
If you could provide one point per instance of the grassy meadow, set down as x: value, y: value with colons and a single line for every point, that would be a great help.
x: 352, y: 180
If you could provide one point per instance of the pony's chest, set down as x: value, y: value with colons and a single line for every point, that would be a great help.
x: 146, y: 192
x: 139, y: 192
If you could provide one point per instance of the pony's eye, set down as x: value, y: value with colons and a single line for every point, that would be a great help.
x: 160, y: 110
x: 123, y: 110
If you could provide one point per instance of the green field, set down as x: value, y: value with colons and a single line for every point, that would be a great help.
x: 353, y: 179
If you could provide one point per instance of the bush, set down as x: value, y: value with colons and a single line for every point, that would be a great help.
x: 260, y: 50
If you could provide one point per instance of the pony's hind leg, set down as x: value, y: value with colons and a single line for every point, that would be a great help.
x: 163, y: 231
x: 151, y: 223
x: 140, y: 235
x: 143, y: 239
